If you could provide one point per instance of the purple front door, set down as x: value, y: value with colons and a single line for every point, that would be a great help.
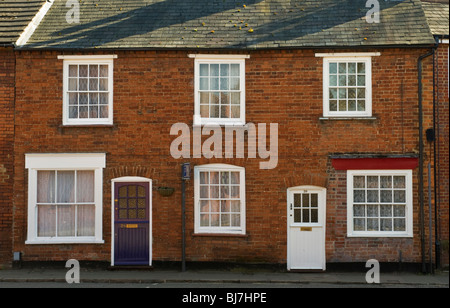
x: 131, y: 224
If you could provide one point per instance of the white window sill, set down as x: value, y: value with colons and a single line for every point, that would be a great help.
x: 380, y: 235
x: 220, y: 125
x: 347, y: 118
x: 49, y: 241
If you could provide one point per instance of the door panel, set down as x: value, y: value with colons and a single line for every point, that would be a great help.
x: 131, y: 224
x: 306, y: 228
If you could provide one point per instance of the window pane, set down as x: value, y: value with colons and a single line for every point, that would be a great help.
x: 235, y: 70
x: 372, y: 196
x: 93, y: 84
x: 235, y: 84
x: 372, y: 224
x: 204, y: 69
x: 214, y: 70
x: 314, y: 216
x: 204, y: 84
x: 386, y: 224
x: 333, y: 80
x: 359, y: 211
x: 73, y: 70
x: 86, y: 220
x: 103, y: 71
x: 85, y: 186
x: 352, y: 68
x: 46, y: 187
x: 361, y: 68
x: 83, y: 71
x: 359, y: 181
x: 399, y: 224
x: 372, y: 210
x: 66, y: 220
x: 66, y: 186
x: 235, y: 220
x: 83, y: 84
x: 73, y: 84
x: 224, y: 70
x: 386, y: 211
x: 204, y: 192
x: 372, y: 181
x: 399, y: 211
x: 333, y: 68
x: 103, y: 84
x: 46, y: 220
x: 204, y: 220
x: 359, y: 224
x: 359, y: 196
x: 399, y: 196
x: 93, y: 70
x: 386, y: 196
x: 386, y: 181
x: 399, y: 182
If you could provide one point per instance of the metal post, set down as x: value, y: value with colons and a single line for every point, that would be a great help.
x: 183, y: 225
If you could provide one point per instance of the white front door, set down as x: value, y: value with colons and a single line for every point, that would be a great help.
x: 306, y: 228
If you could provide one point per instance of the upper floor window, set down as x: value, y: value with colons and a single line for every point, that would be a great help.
x: 88, y: 90
x: 347, y: 85
x: 219, y: 89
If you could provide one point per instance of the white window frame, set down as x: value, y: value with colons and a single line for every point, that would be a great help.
x: 64, y: 162
x: 219, y: 59
x: 347, y: 57
x: 80, y: 60
x: 219, y: 230
x: 408, y: 210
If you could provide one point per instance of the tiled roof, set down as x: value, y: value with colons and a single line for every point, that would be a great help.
x: 231, y: 24
x: 437, y: 16
x: 15, y: 16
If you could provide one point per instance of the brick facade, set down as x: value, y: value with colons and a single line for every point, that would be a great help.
x: 155, y: 89
x: 7, y: 75
x: 442, y: 113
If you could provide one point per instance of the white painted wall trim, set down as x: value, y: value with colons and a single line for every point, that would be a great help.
x: 348, y: 54
x: 86, y: 57
x: 213, y: 56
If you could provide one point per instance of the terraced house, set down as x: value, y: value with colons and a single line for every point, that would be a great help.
x: 15, y: 17
x: 304, y: 123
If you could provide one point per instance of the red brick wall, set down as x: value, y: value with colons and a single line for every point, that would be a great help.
x: 7, y: 72
x: 153, y: 90
x: 442, y: 150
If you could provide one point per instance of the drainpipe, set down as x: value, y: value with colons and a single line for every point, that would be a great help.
x: 421, y: 153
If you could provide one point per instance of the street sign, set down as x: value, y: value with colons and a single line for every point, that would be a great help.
x: 186, y: 171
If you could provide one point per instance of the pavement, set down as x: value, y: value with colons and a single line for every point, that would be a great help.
x: 238, y: 275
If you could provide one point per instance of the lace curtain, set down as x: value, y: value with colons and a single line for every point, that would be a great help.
x: 65, y: 202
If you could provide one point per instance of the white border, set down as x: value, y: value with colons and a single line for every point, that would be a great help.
x: 218, y: 230
x: 219, y: 59
x: 326, y: 82
x: 35, y: 162
x: 132, y: 179
x: 409, y: 204
x: 322, y: 192
x: 91, y: 59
